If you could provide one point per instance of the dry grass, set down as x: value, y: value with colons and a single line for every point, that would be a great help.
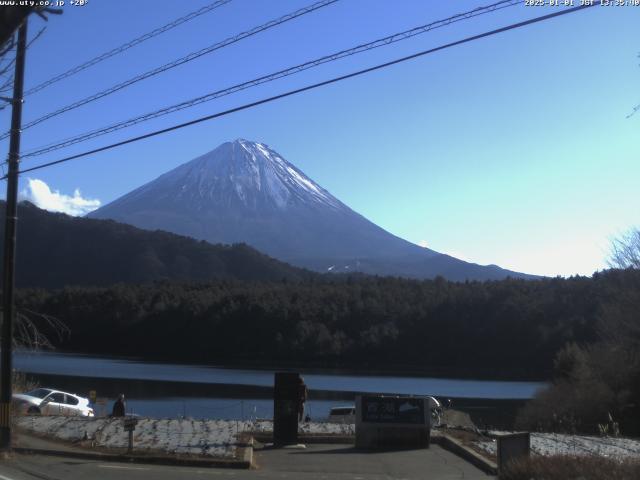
x: 22, y: 383
x: 563, y: 467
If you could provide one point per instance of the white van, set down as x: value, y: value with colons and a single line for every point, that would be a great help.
x: 345, y: 414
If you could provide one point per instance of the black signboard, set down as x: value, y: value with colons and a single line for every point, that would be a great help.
x: 285, y: 408
x: 130, y: 424
x: 393, y: 410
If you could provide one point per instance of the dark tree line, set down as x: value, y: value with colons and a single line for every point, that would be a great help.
x: 596, y: 385
x: 55, y: 250
x: 509, y: 328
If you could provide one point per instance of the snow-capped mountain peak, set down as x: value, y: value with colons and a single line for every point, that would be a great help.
x: 244, y: 191
x: 247, y: 172
x: 278, y: 172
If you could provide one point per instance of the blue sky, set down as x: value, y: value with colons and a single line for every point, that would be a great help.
x: 513, y: 150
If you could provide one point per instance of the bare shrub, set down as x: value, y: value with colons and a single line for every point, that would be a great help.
x: 625, y: 250
x: 595, y: 388
x: 22, y: 383
x: 579, y: 399
x: 568, y: 407
x: 34, y: 330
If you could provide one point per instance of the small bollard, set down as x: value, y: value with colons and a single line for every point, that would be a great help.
x: 512, y: 447
x: 129, y: 426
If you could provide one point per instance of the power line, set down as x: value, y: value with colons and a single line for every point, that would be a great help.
x: 310, y: 87
x: 178, y: 62
x: 127, y: 46
x: 272, y: 76
x: 8, y: 85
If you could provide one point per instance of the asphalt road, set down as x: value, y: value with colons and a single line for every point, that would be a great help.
x: 317, y: 462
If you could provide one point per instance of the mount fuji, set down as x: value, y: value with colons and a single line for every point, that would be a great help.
x: 245, y: 192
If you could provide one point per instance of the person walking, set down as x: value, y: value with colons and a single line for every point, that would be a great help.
x: 119, y: 407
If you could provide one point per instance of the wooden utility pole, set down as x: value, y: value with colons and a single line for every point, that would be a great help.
x: 11, y: 219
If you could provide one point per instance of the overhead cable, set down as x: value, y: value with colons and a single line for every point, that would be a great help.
x: 270, y: 77
x: 126, y: 46
x: 309, y: 87
x: 180, y: 61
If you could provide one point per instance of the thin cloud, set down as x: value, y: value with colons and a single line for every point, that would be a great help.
x: 39, y: 193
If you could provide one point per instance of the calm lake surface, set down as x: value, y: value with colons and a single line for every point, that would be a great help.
x: 169, y: 390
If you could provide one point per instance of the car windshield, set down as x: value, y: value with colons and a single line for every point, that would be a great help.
x: 39, y: 392
x: 342, y: 410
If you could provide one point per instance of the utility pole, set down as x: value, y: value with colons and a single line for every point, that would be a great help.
x: 11, y: 218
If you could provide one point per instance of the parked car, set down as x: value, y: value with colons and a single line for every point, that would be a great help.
x: 345, y: 414
x: 46, y: 401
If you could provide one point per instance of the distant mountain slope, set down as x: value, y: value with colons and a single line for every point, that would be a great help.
x: 246, y: 192
x: 55, y: 250
x: 417, y: 267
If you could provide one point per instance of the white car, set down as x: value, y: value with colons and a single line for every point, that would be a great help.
x: 46, y: 401
x: 346, y: 414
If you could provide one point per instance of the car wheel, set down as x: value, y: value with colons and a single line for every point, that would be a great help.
x: 33, y: 411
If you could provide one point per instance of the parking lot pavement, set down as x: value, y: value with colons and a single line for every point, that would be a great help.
x: 317, y: 462
x: 345, y: 462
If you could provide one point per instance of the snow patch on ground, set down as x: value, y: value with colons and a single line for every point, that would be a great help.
x: 561, y: 444
x: 310, y: 428
x: 216, y: 438
x: 175, y: 436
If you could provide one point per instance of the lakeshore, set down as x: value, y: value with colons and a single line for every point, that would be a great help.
x: 198, y: 391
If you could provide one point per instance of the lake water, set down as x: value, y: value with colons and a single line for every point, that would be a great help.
x: 169, y: 390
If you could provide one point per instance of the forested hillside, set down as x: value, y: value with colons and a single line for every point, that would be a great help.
x: 56, y: 250
x: 509, y: 328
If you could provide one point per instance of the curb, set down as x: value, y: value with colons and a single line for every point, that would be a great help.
x: 310, y: 439
x: 245, y: 454
x: 454, y: 446
x: 245, y: 461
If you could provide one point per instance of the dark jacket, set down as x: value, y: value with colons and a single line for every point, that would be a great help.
x: 119, y: 408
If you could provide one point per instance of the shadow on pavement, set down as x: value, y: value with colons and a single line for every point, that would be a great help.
x: 352, y: 450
